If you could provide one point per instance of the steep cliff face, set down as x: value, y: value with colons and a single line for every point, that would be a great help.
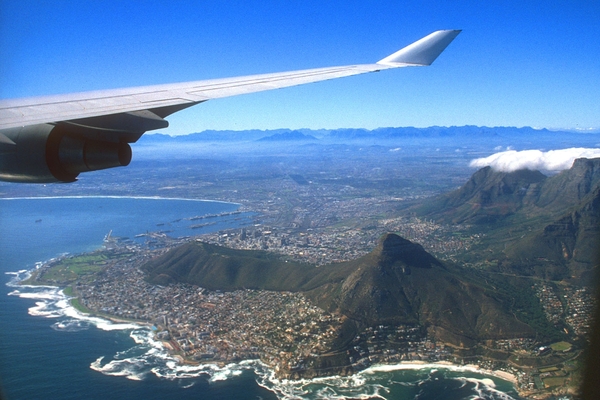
x: 565, y: 248
x: 489, y: 196
x: 548, y: 227
x: 571, y: 186
x: 492, y: 196
x: 374, y: 292
x: 394, y: 250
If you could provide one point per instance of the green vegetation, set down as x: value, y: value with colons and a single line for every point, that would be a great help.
x: 32, y: 280
x: 70, y: 291
x: 67, y: 270
x: 398, y: 282
x: 70, y: 269
x: 523, y: 303
x: 572, y: 365
x: 561, y: 346
x: 221, y: 268
x: 80, y: 268
x: 549, y: 369
x: 79, y: 307
x: 554, y: 381
x: 534, y: 226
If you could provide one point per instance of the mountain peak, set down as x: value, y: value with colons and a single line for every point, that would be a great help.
x: 592, y: 164
x: 394, y: 249
x: 400, y: 283
x: 287, y: 136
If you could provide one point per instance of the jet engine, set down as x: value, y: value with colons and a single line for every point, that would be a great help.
x: 56, y: 153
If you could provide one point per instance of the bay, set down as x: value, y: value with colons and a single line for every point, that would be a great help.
x: 37, y: 361
x: 47, y: 351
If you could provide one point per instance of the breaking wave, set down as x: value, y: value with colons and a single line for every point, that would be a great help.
x: 71, y: 325
x: 149, y: 357
x: 401, y: 381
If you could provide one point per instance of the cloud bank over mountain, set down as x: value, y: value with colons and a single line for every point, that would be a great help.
x: 553, y: 160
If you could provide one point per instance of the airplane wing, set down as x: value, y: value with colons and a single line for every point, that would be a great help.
x: 71, y: 125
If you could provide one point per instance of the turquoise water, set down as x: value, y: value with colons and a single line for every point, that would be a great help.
x: 48, y: 350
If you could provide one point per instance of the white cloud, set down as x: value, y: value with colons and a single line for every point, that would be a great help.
x: 553, y: 160
x: 498, y: 148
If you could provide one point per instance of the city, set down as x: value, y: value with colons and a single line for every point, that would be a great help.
x: 287, y: 332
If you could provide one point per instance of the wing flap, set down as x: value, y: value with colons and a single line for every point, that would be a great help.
x: 166, y: 96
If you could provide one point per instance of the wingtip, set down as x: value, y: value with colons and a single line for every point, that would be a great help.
x: 424, y: 51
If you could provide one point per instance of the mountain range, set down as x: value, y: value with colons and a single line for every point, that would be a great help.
x: 524, y: 135
x: 533, y: 224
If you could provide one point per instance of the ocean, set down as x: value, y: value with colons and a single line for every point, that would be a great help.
x: 49, y: 350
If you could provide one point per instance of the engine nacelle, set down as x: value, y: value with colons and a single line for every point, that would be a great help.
x: 48, y: 153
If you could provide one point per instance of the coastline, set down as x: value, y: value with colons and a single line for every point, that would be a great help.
x: 97, y: 319
x: 506, y: 376
x: 404, y: 365
x: 119, y: 197
x: 118, y: 320
x: 91, y: 314
x: 183, y: 369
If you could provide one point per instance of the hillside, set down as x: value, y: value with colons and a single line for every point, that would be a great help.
x: 398, y: 282
x: 566, y: 248
x: 491, y: 196
x: 220, y: 268
x: 488, y: 197
x: 534, y: 225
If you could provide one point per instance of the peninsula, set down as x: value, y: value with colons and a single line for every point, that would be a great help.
x: 298, y: 333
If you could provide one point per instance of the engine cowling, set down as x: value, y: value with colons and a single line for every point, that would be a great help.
x: 54, y: 153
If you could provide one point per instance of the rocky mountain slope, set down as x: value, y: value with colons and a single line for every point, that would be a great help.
x: 535, y: 225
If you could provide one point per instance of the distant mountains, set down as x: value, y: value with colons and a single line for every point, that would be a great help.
x: 398, y: 282
x: 546, y: 226
x: 295, y: 136
x: 493, y: 134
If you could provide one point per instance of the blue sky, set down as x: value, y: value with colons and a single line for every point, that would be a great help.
x: 516, y: 63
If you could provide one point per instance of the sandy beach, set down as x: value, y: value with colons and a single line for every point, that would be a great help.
x: 447, y: 365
